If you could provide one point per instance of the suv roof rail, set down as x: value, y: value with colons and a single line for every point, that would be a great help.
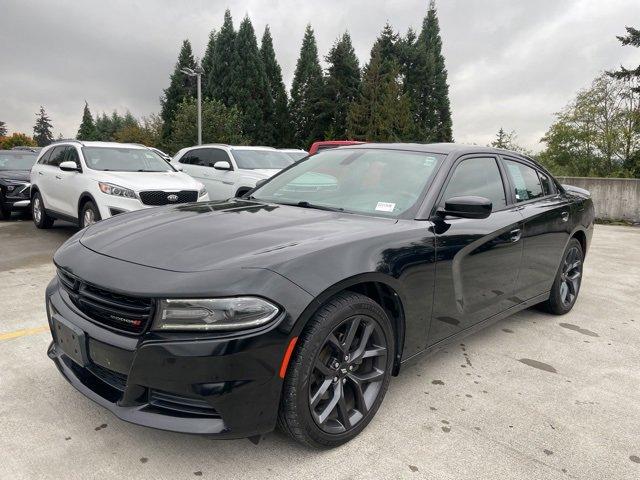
x: 62, y: 140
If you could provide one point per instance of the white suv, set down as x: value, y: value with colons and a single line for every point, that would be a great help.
x: 229, y: 171
x: 84, y: 182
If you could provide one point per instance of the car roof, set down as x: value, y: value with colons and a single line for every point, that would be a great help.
x: 18, y: 152
x: 292, y: 150
x: 442, y: 148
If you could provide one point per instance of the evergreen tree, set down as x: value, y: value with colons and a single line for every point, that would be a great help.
x: 180, y: 87
x: 103, y: 128
x: 42, y: 133
x: 382, y: 112
x: 280, y: 118
x: 426, y: 83
x: 207, y: 61
x: 3, y: 129
x: 631, y: 38
x: 220, y: 77
x: 250, y: 88
x: 342, y: 85
x: 388, y: 47
x: 87, y: 130
x: 307, y: 92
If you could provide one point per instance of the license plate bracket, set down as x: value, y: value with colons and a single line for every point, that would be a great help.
x: 71, y: 340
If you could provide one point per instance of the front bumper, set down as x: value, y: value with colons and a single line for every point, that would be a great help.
x: 191, y: 383
x: 111, y: 205
x: 17, y: 199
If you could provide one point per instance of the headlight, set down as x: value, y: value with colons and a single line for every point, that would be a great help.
x: 202, y: 192
x: 214, y: 314
x: 117, y: 190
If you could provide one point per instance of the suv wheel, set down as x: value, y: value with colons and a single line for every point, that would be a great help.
x: 566, y: 286
x: 340, y: 372
x: 89, y: 214
x: 40, y: 217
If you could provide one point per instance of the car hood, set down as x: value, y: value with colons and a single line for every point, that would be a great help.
x: 229, y: 234
x: 260, y: 173
x: 20, y: 175
x: 139, y: 181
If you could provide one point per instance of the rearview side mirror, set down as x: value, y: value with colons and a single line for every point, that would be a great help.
x: 467, y: 207
x: 222, y: 165
x: 69, y: 166
x: 259, y: 183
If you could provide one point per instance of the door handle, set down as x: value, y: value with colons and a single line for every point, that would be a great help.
x: 40, y: 173
x: 565, y: 216
x: 515, y: 234
x: 58, y: 177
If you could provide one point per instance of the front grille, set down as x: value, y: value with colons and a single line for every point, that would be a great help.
x: 159, y: 197
x: 181, y: 405
x: 111, y: 378
x: 120, y: 312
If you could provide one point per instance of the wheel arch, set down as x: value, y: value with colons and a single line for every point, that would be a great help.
x: 581, y: 236
x: 380, y: 288
x: 84, y: 198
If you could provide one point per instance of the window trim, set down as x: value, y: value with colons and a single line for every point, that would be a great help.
x: 452, y: 169
x: 228, y: 158
x: 527, y: 163
x: 79, y: 162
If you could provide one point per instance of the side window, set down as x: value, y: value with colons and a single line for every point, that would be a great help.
x: 44, y: 160
x: 72, y: 156
x: 57, y: 156
x: 477, y: 176
x: 217, y: 155
x: 547, y: 185
x: 525, y: 180
x: 194, y: 157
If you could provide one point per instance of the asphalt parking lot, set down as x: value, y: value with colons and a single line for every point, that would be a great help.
x: 532, y: 397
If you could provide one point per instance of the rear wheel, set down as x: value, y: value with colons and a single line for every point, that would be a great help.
x: 40, y: 217
x: 566, y: 286
x: 89, y: 214
x: 340, y: 372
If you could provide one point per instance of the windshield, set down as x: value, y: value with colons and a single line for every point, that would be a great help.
x: 124, y: 159
x: 296, y: 155
x: 261, y: 159
x: 17, y: 160
x: 371, y: 181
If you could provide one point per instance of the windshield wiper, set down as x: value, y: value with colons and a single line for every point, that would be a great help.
x: 305, y: 204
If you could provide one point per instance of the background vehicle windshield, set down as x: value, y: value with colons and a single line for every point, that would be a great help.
x: 124, y: 159
x: 296, y: 155
x: 375, y: 181
x: 258, y: 159
x: 17, y: 160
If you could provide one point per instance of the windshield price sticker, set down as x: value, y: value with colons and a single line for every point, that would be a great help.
x: 385, y: 207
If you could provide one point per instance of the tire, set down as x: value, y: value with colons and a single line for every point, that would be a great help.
x: 5, y: 213
x: 89, y: 214
x: 39, y: 214
x: 566, y: 285
x: 366, y: 363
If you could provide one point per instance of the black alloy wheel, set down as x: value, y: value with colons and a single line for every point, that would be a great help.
x: 347, y: 374
x: 566, y: 286
x: 339, y: 373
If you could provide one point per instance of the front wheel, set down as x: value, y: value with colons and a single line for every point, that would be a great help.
x: 566, y: 285
x: 340, y: 372
x: 39, y: 214
x: 89, y: 215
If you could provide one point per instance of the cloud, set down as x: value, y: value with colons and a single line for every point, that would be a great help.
x: 511, y: 64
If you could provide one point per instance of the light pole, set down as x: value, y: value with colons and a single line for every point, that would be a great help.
x: 198, y: 74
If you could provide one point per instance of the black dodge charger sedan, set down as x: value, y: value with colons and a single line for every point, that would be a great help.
x: 294, y: 305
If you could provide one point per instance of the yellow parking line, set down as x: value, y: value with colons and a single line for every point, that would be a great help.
x: 24, y: 332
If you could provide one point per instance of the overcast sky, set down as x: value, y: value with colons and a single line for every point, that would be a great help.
x: 511, y: 63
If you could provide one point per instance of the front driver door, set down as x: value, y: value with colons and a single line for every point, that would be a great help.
x: 477, y: 260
